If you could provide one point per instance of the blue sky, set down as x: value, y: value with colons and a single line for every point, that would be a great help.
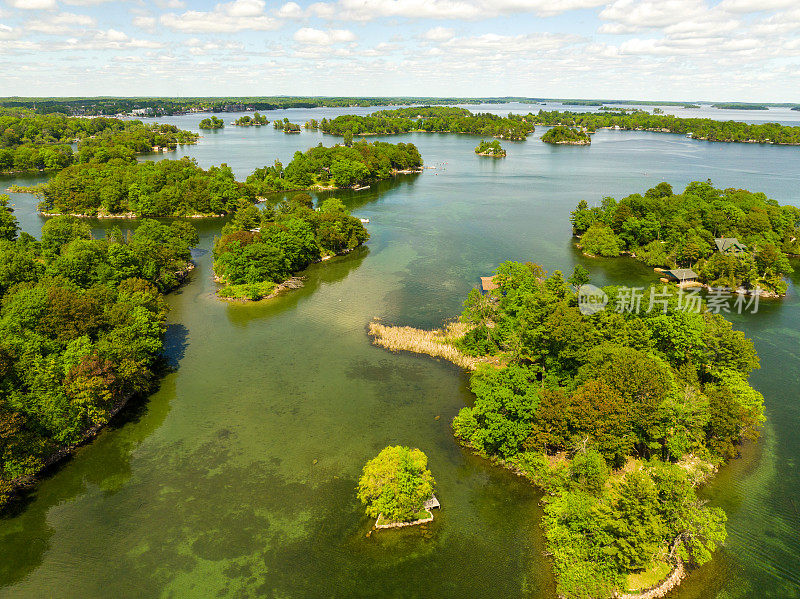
x: 745, y: 50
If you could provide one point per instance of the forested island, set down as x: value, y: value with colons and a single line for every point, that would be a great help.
x: 701, y: 129
x: 492, y: 149
x: 31, y: 142
x: 731, y: 238
x: 131, y: 189
x: 81, y: 331
x: 617, y: 416
x: 285, y: 126
x: 740, y: 106
x: 566, y: 136
x: 260, y: 249
x: 257, y: 120
x: 336, y: 167
x: 430, y: 119
x: 212, y: 122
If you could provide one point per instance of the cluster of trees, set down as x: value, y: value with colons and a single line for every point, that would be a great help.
x: 490, y: 148
x: 162, y: 188
x: 251, y: 121
x: 395, y: 484
x: 644, y: 390
x: 340, y: 166
x: 81, y: 330
x: 285, y: 126
x: 259, y: 248
x: 566, y: 135
x: 668, y: 230
x: 432, y: 119
x: 312, y: 124
x: 212, y: 122
x: 740, y: 106
x: 704, y: 129
x: 31, y: 142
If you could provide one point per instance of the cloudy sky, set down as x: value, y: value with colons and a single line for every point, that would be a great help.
x: 745, y: 50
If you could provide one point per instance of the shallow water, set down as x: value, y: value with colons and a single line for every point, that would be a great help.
x: 211, y: 486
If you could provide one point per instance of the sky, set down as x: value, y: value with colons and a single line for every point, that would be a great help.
x: 728, y: 50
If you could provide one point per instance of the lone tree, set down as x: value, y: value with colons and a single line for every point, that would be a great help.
x: 396, y: 483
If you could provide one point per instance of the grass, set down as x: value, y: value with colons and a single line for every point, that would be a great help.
x: 422, y: 515
x: 437, y: 343
x: 648, y: 578
x: 247, y: 291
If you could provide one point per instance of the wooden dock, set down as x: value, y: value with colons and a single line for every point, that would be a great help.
x: 431, y: 503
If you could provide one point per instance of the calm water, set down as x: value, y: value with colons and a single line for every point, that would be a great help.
x: 236, y: 478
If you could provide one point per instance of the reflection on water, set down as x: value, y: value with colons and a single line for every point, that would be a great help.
x: 236, y: 478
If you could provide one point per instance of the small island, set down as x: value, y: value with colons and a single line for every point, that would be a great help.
x: 261, y: 250
x: 212, y: 122
x: 562, y: 135
x: 257, y: 120
x: 740, y: 106
x: 397, y: 488
x: 493, y: 149
x: 286, y: 126
x: 730, y: 238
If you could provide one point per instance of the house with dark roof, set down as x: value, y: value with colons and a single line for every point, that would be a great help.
x: 730, y: 246
x: 681, y: 275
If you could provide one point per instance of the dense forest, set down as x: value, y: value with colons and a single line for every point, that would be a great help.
x: 260, y: 248
x: 617, y: 415
x: 44, y: 142
x: 337, y: 166
x: 162, y: 188
x: 703, y: 129
x: 81, y: 330
x: 664, y: 229
x: 566, y: 135
x: 431, y: 119
x: 490, y: 148
x: 212, y: 122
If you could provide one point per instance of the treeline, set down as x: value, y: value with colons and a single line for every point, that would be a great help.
x: 671, y: 230
x: 260, y: 248
x: 432, y: 119
x: 703, y: 129
x: 161, y: 188
x: 566, y: 135
x: 44, y: 142
x: 81, y: 330
x: 256, y: 120
x: 337, y: 166
x: 211, y: 122
x: 618, y: 415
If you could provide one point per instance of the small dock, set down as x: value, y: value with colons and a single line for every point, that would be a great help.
x: 431, y: 503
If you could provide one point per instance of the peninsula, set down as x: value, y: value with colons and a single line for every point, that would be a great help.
x: 568, y: 136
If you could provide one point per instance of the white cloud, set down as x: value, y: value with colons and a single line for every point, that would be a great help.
x: 32, y: 4
x: 170, y: 3
x: 85, y: 2
x: 290, y: 10
x: 439, y: 34
x: 755, y: 5
x: 60, y: 24
x: 318, y: 37
x: 628, y: 16
x: 368, y: 10
x: 144, y: 22
x: 8, y: 33
x: 230, y: 17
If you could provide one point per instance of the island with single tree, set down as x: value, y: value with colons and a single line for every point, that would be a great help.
x: 394, y: 487
x: 261, y: 250
x: 493, y: 149
x: 81, y: 332
x: 730, y: 238
x: 212, y: 122
x: 561, y: 135
x: 618, y: 415
x: 337, y: 167
x: 257, y: 120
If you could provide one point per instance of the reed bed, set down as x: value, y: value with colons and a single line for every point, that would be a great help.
x: 437, y: 343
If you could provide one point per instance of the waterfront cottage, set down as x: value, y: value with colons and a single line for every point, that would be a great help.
x: 730, y: 246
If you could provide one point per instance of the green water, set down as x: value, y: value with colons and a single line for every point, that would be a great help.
x: 236, y: 478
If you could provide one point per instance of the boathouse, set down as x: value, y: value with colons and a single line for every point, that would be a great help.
x: 681, y: 275
x: 730, y: 246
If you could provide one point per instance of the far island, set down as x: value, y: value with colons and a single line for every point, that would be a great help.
x: 562, y: 135
x: 286, y: 126
x: 212, y: 122
x: 492, y: 149
x: 257, y: 120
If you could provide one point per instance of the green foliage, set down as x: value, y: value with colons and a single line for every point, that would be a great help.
x: 490, y: 148
x: 600, y: 240
x: 396, y: 483
x: 566, y: 135
x: 341, y: 165
x: 81, y: 329
x: 212, y: 122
